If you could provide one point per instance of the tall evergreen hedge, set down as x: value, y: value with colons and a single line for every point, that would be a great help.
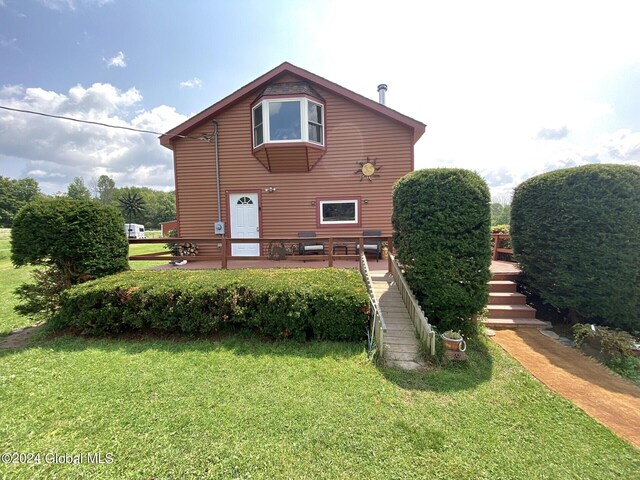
x: 81, y: 238
x: 576, y: 233
x: 441, y: 220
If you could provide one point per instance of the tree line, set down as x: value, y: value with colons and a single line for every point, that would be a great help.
x: 157, y: 206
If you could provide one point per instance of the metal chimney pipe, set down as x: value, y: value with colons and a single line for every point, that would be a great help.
x: 382, y: 89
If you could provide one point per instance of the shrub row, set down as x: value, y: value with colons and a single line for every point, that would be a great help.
x: 324, y: 303
x: 441, y: 223
x: 576, y: 234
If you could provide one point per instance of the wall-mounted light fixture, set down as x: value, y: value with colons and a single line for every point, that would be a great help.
x: 313, y: 203
x: 366, y: 201
x: 270, y: 189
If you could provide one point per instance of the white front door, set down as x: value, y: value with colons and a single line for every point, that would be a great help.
x: 244, y: 223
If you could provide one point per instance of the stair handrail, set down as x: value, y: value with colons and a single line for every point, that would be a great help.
x: 426, y: 333
x: 377, y: 327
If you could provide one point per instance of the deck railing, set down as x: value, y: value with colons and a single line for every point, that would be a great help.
x: 286, y: 248
x: 425, y: 332
x: 498, y: 239
x: 377, y: 328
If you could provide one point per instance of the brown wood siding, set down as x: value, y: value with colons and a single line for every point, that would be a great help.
x: 288, y: 160
x: 353, y: 134
x: 166, y: 227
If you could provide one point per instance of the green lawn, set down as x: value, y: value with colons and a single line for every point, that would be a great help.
x: 138, y: 249
x: 11, y: 278
x: 240, y: 408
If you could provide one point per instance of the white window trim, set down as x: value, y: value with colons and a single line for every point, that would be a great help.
x: 304, y: 121
x: 309, y: 122
x: 340, y: 222
x: 261, y: 124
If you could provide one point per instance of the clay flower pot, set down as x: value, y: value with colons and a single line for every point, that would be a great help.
x: 453, y: 341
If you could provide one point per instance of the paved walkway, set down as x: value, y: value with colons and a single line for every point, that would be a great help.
x: 611, y: 400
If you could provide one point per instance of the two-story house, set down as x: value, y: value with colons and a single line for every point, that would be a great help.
x: 290, y: 152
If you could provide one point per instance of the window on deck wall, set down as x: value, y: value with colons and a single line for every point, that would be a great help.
x: 338, y: 212
x: 288, y: 120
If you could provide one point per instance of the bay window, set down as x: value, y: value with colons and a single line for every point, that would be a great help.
x: 288, y: 120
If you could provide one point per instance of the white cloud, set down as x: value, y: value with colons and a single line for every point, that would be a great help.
x: 60, y: 5
x: 38, y: 174
x: 54, y: 151
x: 622, y: 146
x: 7, y: 42
x: 553, y: 133
x: 194, y: 82
x: 117, y: 61
x: 487, y: 77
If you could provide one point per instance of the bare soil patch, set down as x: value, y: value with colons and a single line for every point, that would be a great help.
x: 19, y: 338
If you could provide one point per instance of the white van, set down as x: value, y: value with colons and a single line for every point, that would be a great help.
x: 134, y: 230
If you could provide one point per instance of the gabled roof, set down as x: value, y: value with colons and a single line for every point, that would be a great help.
x: 262, y: 81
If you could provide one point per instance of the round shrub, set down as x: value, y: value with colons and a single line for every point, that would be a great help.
x: 576, y: 234
x: 441, y: 221
x: 81, y: 238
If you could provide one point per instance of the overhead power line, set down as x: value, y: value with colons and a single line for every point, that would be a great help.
x: 204, y: 137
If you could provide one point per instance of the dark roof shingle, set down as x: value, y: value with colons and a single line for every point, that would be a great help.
x: 291, y: 88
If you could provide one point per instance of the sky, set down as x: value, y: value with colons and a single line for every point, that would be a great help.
x: 508, y: 89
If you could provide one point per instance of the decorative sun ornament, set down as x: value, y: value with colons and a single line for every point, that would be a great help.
x: 368, y: 169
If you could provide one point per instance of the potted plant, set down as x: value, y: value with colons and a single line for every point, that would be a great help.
x: 453, y: 341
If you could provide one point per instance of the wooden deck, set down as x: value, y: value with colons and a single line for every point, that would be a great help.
x: 265, y: 263
x: 498, y: 266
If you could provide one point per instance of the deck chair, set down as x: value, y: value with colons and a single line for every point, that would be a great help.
x: 310, y: 247
x: 371, y: 246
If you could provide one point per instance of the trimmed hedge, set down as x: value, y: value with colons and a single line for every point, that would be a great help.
x: 327, y: 303
x: 82, y: 238
x: 576, y: 234
x: 441, y: 221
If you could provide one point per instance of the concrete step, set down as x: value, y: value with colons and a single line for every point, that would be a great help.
x: 510, y: 311
x: 502, y: 286
x: 506, y: 298
x: 495, y: 323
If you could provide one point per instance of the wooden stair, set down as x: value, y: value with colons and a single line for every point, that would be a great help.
x: 507, y: 308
